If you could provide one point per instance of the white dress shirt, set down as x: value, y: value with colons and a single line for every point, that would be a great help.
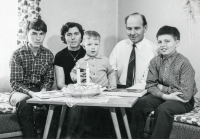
x: 119, y: 58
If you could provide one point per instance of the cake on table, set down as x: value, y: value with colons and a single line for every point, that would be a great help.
x: 82, y: 90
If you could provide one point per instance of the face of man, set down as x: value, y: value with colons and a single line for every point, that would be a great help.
x: 167, y: 44
x: 35, y: 38
x: 91, y: 46
x: 73, y: 38
x: 135, y: 29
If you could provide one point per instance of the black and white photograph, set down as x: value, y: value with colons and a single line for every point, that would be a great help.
x: 100, y: 69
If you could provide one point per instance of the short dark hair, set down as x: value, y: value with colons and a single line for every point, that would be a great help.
x: 173, y: 31
x: 65, y: 28
x: 36, y: 24
x: 142, y: 16
x: 91, y: 34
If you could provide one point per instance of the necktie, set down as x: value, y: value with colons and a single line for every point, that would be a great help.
x: 131, y: 68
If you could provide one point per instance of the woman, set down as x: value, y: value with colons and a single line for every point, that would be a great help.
x: 71, y: 35
x: 170, y: 86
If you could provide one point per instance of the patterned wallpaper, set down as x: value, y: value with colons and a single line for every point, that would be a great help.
x: 27, y: 10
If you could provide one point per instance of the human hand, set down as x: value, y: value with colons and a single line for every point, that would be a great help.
x: 43, y: 90
x: 111, y: 87
x: 174, y: 96
x: 159, y: 86
x: 83, y: 75
x: 31, y: 94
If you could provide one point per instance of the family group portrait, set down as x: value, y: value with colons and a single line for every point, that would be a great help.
x: 100, y: 69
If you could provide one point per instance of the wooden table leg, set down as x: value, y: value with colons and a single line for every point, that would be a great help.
x: 115, y: 122
x: 62, y: 117
x: 124, y: 116
x: 48, y: 121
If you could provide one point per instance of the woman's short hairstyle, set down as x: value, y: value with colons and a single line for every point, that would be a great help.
x: 142, y: 16
x: 168, y: 30
x: 36, y: 24
x: 65, y: 28
x: 91, y: 34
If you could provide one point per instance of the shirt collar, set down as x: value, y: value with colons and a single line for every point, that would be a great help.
x: 139, y: 45
x: 170, y: 57
x: 86, y: 57
x: 25, y: 47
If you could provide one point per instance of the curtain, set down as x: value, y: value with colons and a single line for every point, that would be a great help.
x: 27, y: 10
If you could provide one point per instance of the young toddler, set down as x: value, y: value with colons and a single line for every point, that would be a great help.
x: 101, y: 71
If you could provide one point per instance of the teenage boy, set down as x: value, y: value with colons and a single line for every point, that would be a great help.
x: 31, y: 71
x: 170, y: 85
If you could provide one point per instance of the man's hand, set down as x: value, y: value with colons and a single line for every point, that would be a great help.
x: 174, y: 96
x: 43, y: 90
x: 111, y: 87
x: 32, y: 94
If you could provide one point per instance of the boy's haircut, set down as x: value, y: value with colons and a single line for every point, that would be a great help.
x: 36, y: 24
x: 169, y: 31
x: 142, y: 16
x: 91, y: 34
x: 65, y: 28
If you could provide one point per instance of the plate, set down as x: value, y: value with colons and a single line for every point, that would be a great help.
x: 79, y: 95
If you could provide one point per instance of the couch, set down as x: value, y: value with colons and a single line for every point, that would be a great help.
x: 9, y: 126
x: 185, y: 126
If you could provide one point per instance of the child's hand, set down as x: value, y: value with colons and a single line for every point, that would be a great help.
x: 83, y: 75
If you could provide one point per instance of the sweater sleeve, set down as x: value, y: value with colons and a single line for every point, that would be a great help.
x: 152, y: 79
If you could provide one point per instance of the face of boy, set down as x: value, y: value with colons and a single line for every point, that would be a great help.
x: 91, y: 46
x: 35, y: 38
x: 73, y: 38
x: 167, y: 44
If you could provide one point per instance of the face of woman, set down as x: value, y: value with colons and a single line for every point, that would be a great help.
x: 167, y: 44
x: 73, y: 38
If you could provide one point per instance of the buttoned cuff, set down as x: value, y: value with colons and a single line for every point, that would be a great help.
x: 25, y: 91
x: 164, y: 89
x: 160, y: 94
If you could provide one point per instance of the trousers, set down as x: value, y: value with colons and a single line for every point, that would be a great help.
x: 25, y: 113
x: 164, y: 112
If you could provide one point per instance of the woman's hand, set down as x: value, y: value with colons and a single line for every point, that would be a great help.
x: 174, y: 96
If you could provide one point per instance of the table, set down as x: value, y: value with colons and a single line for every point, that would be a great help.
x: 123, y: 102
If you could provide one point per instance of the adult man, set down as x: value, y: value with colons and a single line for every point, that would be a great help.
x: 31, y: 71
x: 144, y: 50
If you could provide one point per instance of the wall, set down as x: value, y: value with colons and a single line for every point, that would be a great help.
x: 98, y: 15
x: 166, y: 12
x: 8, y: 39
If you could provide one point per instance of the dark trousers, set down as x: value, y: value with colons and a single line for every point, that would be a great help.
x: 73, y: 123
x: 26, y: 117
x: 98, y: 122
x: 164, y: 115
